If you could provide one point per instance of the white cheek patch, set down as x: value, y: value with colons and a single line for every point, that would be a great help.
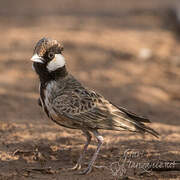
x: 57, y: 62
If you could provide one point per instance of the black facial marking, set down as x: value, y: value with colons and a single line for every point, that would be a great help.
x: 42, y: 71
x: 46, y: 76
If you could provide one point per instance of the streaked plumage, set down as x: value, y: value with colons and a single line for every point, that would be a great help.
x: 71, y: 105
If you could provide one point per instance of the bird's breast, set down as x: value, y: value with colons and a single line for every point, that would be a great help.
x: 49, y: 94
x: 46, y: 97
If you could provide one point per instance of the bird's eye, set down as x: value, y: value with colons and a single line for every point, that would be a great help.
x: 51, y: 55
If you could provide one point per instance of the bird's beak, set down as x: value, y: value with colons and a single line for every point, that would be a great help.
x: 36, y: 58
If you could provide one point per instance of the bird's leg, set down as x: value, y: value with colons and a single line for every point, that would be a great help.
x: 78, y: 164
x: 100, y: 142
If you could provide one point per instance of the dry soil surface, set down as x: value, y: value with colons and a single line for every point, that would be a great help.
x: 131, y: 57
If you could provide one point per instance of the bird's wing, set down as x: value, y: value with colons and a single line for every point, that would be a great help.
x: 92, y: 110
x: 81, y: 105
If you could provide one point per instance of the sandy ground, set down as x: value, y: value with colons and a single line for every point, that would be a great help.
x: 131, y: 57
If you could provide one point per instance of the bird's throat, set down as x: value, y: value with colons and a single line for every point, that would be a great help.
x: 46, y: 76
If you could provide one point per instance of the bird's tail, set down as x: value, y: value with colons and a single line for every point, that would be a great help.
x: 142, y: 128
x: 124, y: 119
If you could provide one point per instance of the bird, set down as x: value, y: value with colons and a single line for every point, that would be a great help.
x: 71, y: 105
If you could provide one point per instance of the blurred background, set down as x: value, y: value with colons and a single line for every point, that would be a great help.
x: 129, y: 51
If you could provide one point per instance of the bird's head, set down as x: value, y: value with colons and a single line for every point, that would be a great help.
x: 47, y: 56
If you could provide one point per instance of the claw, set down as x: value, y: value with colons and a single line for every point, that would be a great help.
x: 86, y: 171
x: 76, y: 167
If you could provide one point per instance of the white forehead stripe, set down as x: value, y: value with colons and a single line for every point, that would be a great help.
x: 36, y: 58
x: 57, y: 62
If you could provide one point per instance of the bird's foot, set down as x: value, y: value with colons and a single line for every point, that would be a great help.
x: 85, y: 171
x: 76, y: 167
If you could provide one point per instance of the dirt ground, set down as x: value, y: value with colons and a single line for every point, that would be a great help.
x: 129, y: 51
